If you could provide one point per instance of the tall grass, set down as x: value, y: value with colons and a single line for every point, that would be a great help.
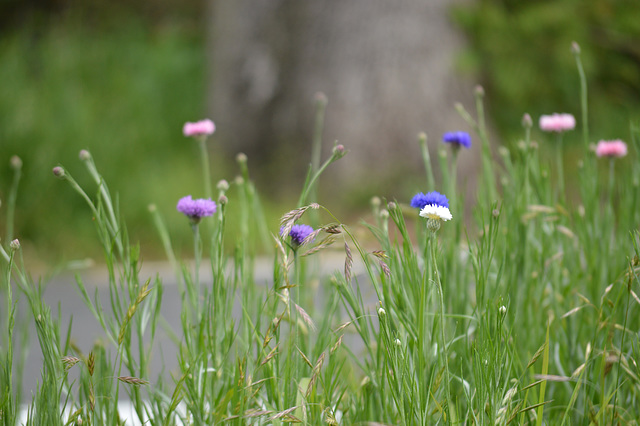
x: 525, y: 315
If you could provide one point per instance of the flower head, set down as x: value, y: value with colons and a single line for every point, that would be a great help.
x: 557, y: 122
x: 457, y: 139
x: 199, y: 128
x: 434, y: 206
x: 434, y: 211
x: 298, y: 233
x: 615, y: 148
x: 421, y: 200
x: 196, y: 209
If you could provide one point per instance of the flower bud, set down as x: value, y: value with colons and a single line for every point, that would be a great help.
x: 381, y: 312
x: 392, y: 205
x: 338, y: 151
x: 14, y: 245
x: 422, y: 137
x: 375, y: 201
x: 223, y: 185
x: 575, y: 48
x: 384, y: 214
x: 241, y: 157
x: 321, y: 98
x: 502, y: 310
x: 398, y: 342
x: 223, y: 199
x: 479, y: 91
x: 84, y: 155
x: 16, y: 162
x: 152, y: 208
x: 527, y: 122
x: 58, y: 172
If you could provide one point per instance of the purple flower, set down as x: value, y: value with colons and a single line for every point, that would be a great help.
x: 421, y: 200
x: 298, y: 233
x: 457, y: 139
x: 196, y: 209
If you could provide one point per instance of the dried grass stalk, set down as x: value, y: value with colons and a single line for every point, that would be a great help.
x: 305, y: 317
x: 133, y: 380
x: 348, y: 262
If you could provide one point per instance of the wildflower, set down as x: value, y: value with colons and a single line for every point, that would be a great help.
x: 615, y: 148
x: 457, y: 139
x: 196, y: 209
x: 199, y: 128
x: 557, y: 122
x: 421, y: 200
x: 298, y: 233
x: 14, y: 245
x: 502, y: 310
x: 381, y: 312
x: 436, y: 210
x: 433, y: 211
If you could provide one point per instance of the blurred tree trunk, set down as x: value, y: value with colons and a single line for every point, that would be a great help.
x: 386, y: 66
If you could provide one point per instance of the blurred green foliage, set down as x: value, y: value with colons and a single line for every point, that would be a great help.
x: 120, y: 78
x: 521, y: 50
x: 123, y: 92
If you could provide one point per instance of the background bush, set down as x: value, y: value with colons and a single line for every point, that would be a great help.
x: 120, y: 78
x: 520, y: 49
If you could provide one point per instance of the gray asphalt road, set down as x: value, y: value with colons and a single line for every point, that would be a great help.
x: 62, y: 295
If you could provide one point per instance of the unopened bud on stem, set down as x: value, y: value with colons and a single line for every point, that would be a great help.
x: 58, y: 171
x: 16, y: 162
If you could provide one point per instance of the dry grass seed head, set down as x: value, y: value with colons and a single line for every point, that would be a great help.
x: 305, y: 317
x: 133, y: 380
x: 323, y: 244
x: 348, y: 262
x: 69, y: 361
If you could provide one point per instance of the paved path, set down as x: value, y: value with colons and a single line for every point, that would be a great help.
x: 62, y: 296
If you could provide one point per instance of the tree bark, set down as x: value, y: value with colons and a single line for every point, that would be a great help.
x: 386, y: 66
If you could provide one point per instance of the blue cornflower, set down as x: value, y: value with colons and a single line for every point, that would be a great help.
x: 457, y: 139
x: 421, y: 200
x: 298, y: 233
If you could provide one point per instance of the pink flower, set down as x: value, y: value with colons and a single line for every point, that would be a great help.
x: 199, y: 128
x: 557, y: 122
x: 615, y: 148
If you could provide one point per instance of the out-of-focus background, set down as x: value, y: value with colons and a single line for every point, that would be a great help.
x: 120, y: 78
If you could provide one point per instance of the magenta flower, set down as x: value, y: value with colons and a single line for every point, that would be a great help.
x: 196, y: 209
x: 615, y: 148
x: 557, y: 122
x: 199, y: 128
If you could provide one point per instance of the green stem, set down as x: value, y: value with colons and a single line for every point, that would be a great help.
x: 11, y: 202
x: 560, y: 167
x: 611, y: 181
x: 204, y: 157
x: 422, y: 138
x: 527, y: 153
x: 197, y: 251
x: 583, y: 97
x: 442, y: 328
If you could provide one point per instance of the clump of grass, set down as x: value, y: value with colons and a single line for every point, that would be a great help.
x: 522, y: 316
